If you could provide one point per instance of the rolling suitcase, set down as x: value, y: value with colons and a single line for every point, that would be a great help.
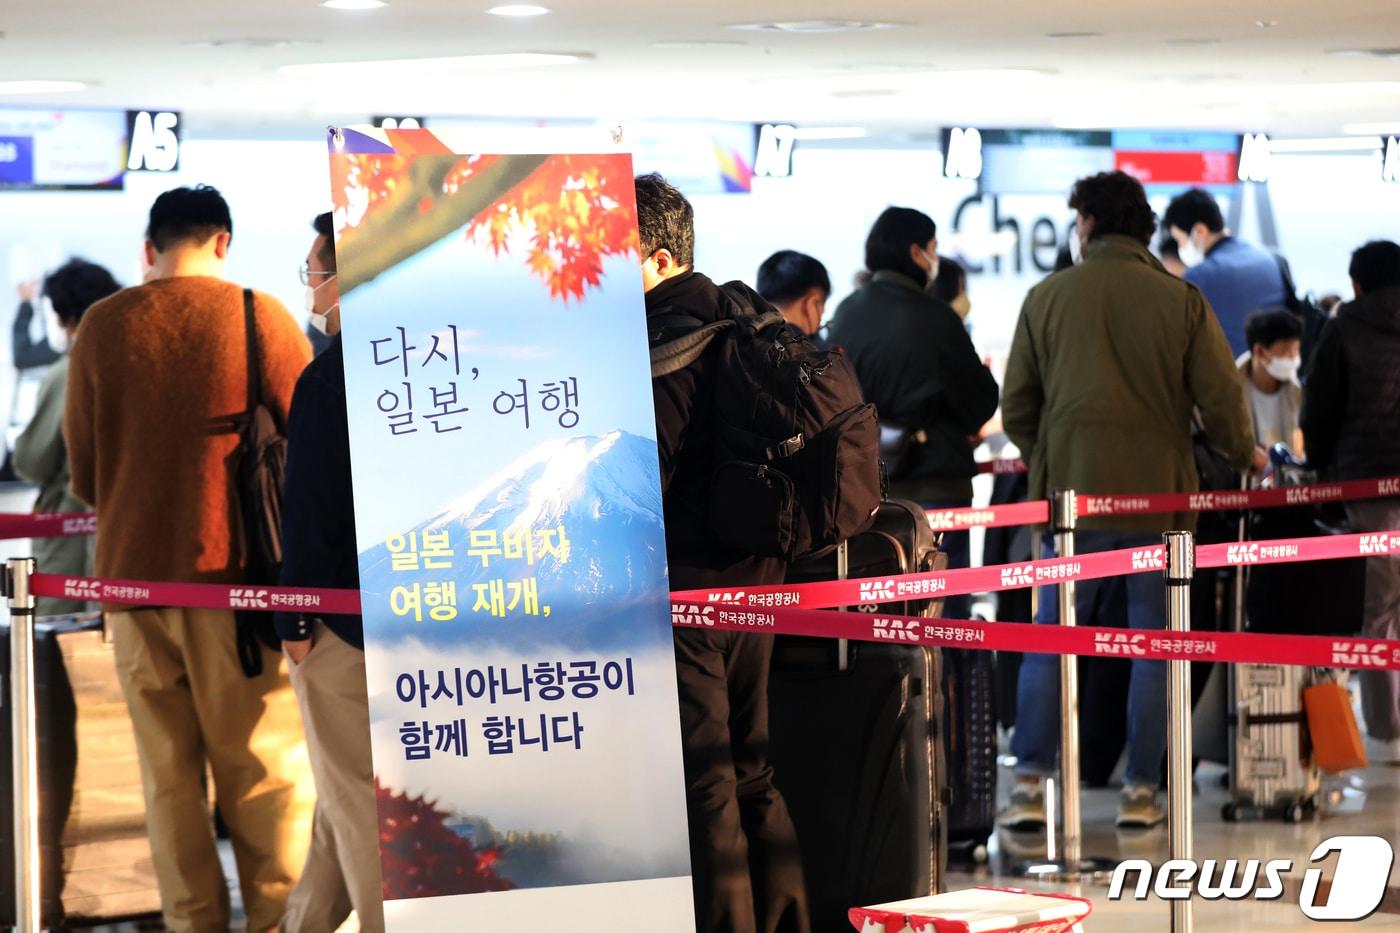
x: 1272, y: 772
x: 95, y: 857
x: 970, y: 749
x: 856, y: 738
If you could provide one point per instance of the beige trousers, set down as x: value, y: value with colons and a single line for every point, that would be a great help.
x: 342, y: 868
x: 190, y: 703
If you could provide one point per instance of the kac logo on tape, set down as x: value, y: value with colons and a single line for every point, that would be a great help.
x: 877, y: 591
x: 1151, y: 559
x: 896, y: 630
x: 1360, y: 655
x: 692, y: 615
x: 1390, y: 487
x: 82, y: 590
x: 1380, y: 544
x: 247, y: 599
x: 1023, y: 575
x: 1358, y: 886
x: 79, y: 527
x: 1119, y: 645
x: 728, y: 599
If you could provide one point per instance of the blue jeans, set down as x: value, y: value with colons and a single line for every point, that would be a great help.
x: 1036, y: 740
x: 958, y: 546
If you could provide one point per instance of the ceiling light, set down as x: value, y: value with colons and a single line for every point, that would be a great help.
x: 519, y: 10
x: 681, y: 44
x: 1326, y: 144
x: 353, y: 4
x: 41, y: 87
x: 1074, y: 35
x: 408, y: 67
x: 249, y: 43
x: 1372, y: 129
x: 816, y: 26
x: 1266, y: 23
x: 1187, y: 42
x: 811, y: 133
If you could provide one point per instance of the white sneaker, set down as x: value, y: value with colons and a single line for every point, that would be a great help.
x: 1383, y: 751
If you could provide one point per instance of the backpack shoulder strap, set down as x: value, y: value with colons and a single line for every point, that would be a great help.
x: 254, y: 370
x: 750, y: 308
x: 675, y: 355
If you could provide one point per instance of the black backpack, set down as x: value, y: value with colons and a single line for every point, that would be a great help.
x: 796, y: 454
x: 1305, y: 309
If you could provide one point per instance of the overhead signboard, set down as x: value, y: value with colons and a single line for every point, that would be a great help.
x: 153, y: 141
x: 698, y: 158
x: 62, y: 149
x: 1042, y: 161
x: 1178, y: 159
x: 1034, y: 161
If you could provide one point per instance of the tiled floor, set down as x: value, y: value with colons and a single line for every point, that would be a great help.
x: 1365, y: 803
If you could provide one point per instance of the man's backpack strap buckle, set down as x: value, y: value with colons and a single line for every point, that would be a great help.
x: 787, y: 448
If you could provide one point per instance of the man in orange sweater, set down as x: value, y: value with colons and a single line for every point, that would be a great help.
x: 157, y: 379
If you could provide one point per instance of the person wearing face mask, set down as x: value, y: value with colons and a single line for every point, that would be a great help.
x: 40, y: 455
x: 1236, y: 277
x: 1269, y: 373
x: 798, y: 286
x: 325, y: 652
x: 916, y: 363
x: 950, y: 286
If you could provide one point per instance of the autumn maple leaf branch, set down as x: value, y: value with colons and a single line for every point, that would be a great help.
x: 419, y: 214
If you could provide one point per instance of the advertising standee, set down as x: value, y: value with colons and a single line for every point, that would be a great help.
x: 521, y: 679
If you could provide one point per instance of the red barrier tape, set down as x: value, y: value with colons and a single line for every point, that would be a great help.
x: 992, y: 516
x: 1233, y: 647
x: 1002, y: 467
x: 196, y: 595
x: 833, y: 594
x: 773, y: 610
x: 1038, y: 513
x: 48, y: 525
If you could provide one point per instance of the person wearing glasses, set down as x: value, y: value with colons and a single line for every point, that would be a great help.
x: 318, y: 329
x: 325, y: 652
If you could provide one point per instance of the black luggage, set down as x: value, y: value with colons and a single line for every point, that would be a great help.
x: 856, y: 740
x: 970, y: 749
x: 94, y: 854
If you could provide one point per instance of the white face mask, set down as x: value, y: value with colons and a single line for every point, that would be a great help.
x: 320, y: 322
x: 1284, y: 368
x: 1076, y: 248
x: 1191, y: 254
x: 933, y: 263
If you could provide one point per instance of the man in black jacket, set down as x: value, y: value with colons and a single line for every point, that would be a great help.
x: 1351, y: 409
x: 326, y: 653
x: 743, y: 849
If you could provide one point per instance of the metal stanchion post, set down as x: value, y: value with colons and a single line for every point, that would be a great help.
x: 24, y: 758
x: 1064, y: 514
x: 1181, y: 565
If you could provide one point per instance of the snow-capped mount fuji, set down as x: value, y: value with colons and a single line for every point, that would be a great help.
x: 604, y: 491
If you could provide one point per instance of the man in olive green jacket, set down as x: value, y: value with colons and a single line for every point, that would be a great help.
x: 1109, y: 361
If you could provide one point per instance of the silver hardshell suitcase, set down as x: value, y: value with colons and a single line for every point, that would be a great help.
x: 1271, y: 765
